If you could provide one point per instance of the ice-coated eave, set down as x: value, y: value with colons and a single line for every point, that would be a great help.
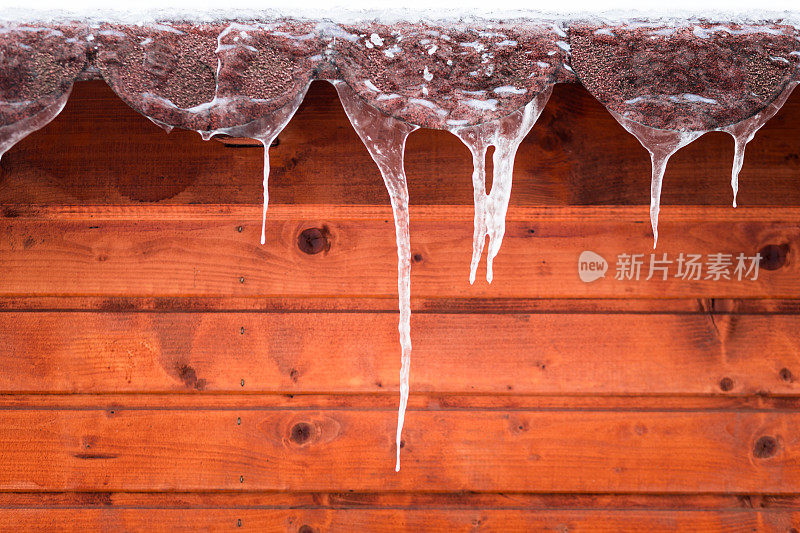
x: 216, y: 75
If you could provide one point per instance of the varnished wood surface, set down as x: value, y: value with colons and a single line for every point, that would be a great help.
x: 390, y: 520
x: 313, y: 353
x: 161, y: 370
x: 211, y: 251
x: 351, y: 449
x: 100, y: 151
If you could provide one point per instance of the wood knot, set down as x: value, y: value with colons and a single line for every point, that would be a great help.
x: 786, y: 375
x: 765, y: 447
x: 726, y: 384
x: 188, y: 375
x: 306, y: 529
x: 300, y: 433
x: 314, y: 240
x: 773, y: 256
x: 417, y: 258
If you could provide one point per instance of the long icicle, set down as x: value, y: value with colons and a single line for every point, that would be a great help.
x: 12, y: 133
x: 744, y: 131
x: 385, y: 139
x: 505, y: 135
x: 661, y: 144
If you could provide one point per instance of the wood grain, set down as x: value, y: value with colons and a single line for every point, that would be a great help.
x: 311, y: 450
x: 358, y: 352
x: 100, y: 151
x: 102, y: 255
x: 390, y: 520
x: 160, y: 370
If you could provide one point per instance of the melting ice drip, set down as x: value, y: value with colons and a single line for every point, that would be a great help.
x: 662, y: 144
x: 744, y: 131
x: 505, y: 135
x: 264, y: 129
x: 11, y: 134
x: 385, y: 139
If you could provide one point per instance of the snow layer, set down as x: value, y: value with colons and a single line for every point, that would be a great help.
x: 412, y: 10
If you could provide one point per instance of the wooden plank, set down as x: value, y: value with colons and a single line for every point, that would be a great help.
x: 100, y: 151
x: 194, y: 399
x: 307, y: 450
x: 397, y: 500
x: 390, y: 520
x: 168, y: 252
x: 358, y: 352
x: 388, y: 304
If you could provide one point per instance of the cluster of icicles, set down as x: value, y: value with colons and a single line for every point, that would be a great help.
x: 385, y: 138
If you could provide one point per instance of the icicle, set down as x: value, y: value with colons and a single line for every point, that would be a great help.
x: 12, y: 133
x: 505, y: 135
x: 385, y: 138
x: 661, y: 144
x: 744, y: 131
x: 162, y: 125
x: 265, y: 130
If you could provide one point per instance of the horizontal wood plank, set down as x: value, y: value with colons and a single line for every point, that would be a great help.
x: 77, y: 352
x: 309, y: 450
x: 390, y: 520
x: 398, y: 500
x: 101, y: 151
x: 760, y: 402
x: 142, y: 252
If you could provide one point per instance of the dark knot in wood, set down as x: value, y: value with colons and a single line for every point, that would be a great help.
x: 313, y: 240
x: 765, y: 447
x: 301, y: 432
x: 773, y: 256
x: 726, y: 384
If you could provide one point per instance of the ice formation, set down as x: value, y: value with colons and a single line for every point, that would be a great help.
x: 265, y: 130
x: 661, y: 144
x: 744, y: 131
x: 13, y: 132
x: 505, y: 135
x: 385, y: 139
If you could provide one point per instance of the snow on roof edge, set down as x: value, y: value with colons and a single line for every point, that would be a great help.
x: 617, y: 12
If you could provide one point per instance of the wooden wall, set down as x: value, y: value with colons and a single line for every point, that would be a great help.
x: 161, y: 370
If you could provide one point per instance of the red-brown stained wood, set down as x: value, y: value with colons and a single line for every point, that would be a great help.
x: 101, y: 151
x: 400, y: 500
x: 610, y: 406
x: 310, y: 450
x: 391, y: 520
x: 201, y: 252
x: 79, y: 352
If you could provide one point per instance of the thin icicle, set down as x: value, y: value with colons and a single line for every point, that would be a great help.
x: 505, y: 135
x: 385, y: 138
x: 265, y: 130
x: 12, y: 133
x: 744, y: 131
x: 661, y: 144
x: 162, y: 125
